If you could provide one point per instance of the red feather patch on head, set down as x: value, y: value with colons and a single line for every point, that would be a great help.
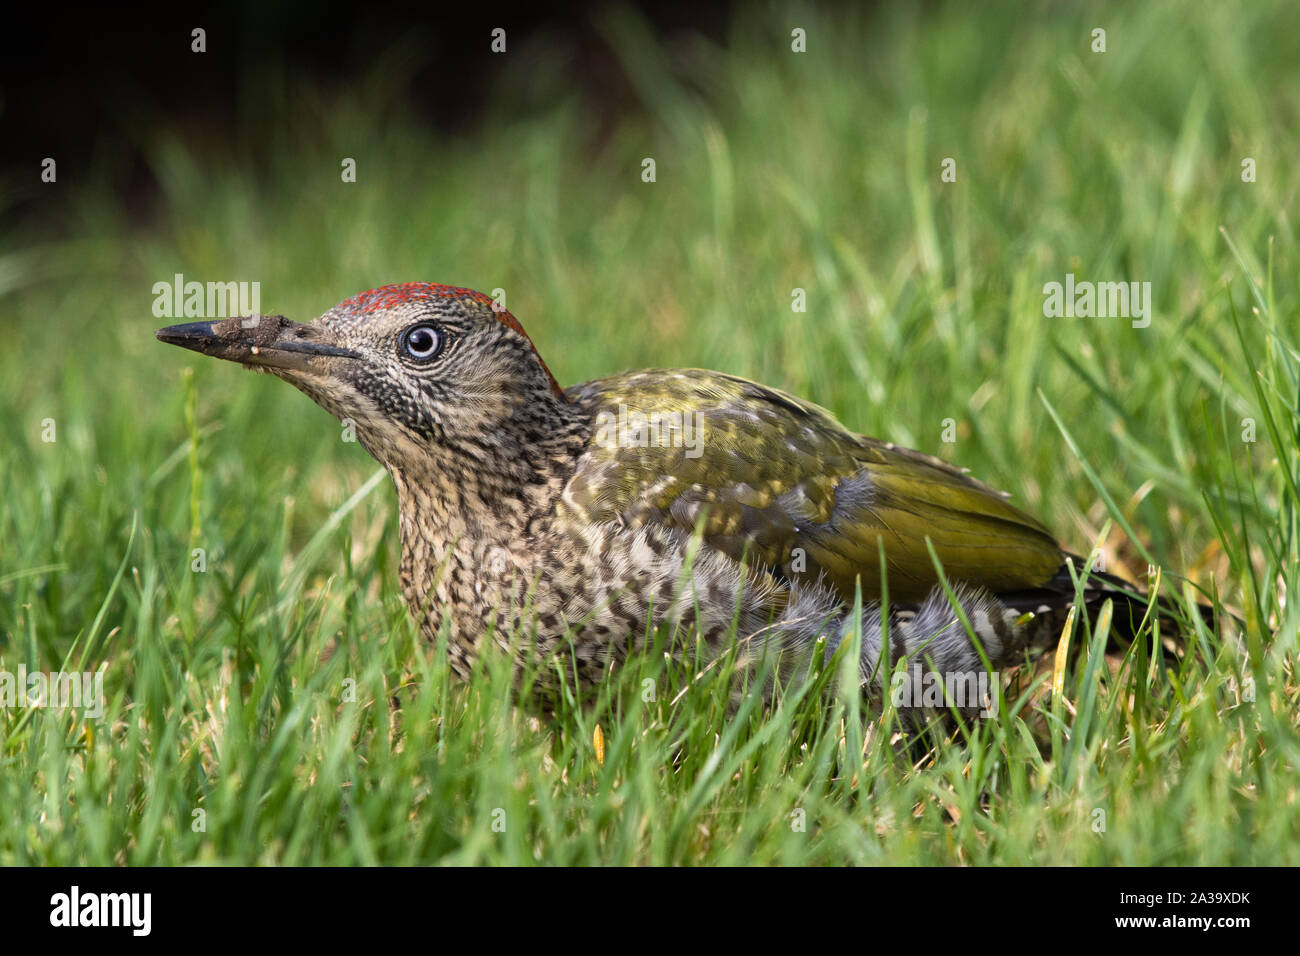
x: 391, y: 296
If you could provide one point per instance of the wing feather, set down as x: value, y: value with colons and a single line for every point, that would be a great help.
x: 774, y: 480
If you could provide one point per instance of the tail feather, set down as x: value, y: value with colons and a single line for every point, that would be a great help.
x: 1131, y: 605
x: 934, y: 641
x: 933, y: 644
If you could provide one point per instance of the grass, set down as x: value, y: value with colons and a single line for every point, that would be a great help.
x: 250, y: 714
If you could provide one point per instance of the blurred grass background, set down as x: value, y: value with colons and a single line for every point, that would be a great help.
x: 775, y: 171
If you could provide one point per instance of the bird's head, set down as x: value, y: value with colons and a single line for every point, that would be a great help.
x: 413, y: 366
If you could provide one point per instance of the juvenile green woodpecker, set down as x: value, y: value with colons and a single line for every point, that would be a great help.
x: 586, y: 516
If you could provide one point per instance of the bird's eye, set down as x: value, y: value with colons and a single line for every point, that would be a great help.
x: 422, y: 342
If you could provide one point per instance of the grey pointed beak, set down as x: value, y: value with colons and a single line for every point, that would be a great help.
x: 270, y: 341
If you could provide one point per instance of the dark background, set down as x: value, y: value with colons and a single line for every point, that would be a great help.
x: 86, y: 86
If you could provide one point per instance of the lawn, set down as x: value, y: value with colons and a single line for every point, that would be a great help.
x: 209, y: 540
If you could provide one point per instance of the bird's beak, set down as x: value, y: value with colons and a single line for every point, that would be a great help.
x: 269, y: 341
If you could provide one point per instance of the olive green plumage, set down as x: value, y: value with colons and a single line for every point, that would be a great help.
x: 775, y: 478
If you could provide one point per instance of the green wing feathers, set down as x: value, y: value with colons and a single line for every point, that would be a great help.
x: 776, y: 480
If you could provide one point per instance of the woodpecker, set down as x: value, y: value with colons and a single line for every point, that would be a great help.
x: 586, y: 517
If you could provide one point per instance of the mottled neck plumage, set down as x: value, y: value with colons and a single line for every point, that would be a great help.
x: 508, y: 474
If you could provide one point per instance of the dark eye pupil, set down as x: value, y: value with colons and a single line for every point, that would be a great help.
x: 421, y: 342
